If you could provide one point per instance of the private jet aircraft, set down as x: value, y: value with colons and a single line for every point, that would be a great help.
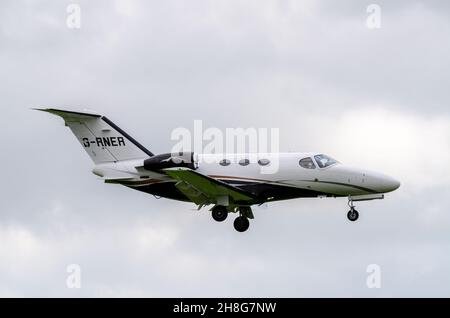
x: 228, y: 182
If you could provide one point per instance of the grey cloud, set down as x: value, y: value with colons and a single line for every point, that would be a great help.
x: 160, y: 65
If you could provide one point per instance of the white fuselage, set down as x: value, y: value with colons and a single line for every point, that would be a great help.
x: 337, y: 179
x: 281, y: 170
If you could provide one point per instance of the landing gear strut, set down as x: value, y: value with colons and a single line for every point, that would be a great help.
x: 352, y: 215
x: 219, y: 213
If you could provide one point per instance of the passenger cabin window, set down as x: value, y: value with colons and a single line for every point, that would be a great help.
x: 263, y: 162
x: 324, y: 161
x: 244, y: 162
x: 224, y: 162
x: 307, y: 163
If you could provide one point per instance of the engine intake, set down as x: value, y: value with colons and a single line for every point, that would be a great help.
x: 171, y: 160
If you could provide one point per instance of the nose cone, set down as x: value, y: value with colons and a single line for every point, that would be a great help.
x: 382, y: 183
x: 390, y: 184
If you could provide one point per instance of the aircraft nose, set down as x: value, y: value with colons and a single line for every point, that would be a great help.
x: 389, y: 184
x: 381, y: 183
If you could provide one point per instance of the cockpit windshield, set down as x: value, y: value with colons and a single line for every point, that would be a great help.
x: 324, y: 161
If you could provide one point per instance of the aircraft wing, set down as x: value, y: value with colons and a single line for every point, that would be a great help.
x: 203, y: 190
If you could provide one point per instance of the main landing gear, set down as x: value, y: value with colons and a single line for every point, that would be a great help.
x: 352, y: 215
x: 241, y: 223
x: 219, y: 213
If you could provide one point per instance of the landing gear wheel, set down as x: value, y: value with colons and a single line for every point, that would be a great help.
x: 219, y: 213
x: 241, y: 224
x: 353, y: 215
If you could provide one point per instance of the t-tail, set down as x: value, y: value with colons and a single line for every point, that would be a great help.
x: 103, y: 141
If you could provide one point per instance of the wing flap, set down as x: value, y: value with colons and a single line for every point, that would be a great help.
x: 193, y: 194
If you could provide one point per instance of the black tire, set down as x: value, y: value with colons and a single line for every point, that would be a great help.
x: 353, y: 215
x: 219, y: 213
x: 241, y: 224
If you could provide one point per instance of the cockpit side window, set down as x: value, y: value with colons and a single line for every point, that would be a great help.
x: 324, y: 161
x: 307, y: 163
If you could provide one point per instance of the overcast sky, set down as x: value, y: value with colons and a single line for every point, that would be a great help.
x: 375, y: 98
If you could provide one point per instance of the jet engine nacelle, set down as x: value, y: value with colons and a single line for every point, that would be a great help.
x: 171, y: 160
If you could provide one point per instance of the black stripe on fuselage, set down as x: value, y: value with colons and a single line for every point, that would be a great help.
x: 343, y: 184
x: 131, y: 139
x: 235, y: 182
x: 239, y: 181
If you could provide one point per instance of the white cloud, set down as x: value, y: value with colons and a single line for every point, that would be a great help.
x: 126, y: 8
x: 19, y: 245
x: 154, y: 238
x: 413, y: 147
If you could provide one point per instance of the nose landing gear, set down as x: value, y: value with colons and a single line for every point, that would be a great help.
x: 352, y: 215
